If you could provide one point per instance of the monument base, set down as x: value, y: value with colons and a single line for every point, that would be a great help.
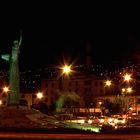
x: 15, y: 116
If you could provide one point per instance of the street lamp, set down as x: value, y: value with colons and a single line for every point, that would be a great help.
x: 124, y: 93
x: 0, y: 102
x: 66, y: 69
x: 127, y: 77
x: 39, y: 95
x: 100, y: 104
x: 5, y: 89
x: 123, y: 90
x: 108, y: 83
x: 129, y: 89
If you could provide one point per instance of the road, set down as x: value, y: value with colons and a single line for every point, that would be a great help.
x: 33, y: 136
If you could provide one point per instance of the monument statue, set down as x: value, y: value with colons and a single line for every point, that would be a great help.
x: 14, y: 80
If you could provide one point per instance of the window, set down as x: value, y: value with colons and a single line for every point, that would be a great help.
x: 34, y: 96
x: 87, y: 82
x: 96, y: 83
x: 76, y: 83
x: 87, y: 90
x: 69, y: 83
x: 22, y: 96
x: 76, y: 90
x: 52, y: 85
x: 101, y: 91
x: 101, y: 83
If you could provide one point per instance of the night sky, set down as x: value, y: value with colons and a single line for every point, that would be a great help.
x: 51, y: 35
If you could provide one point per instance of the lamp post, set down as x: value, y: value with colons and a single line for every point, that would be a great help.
x: 0, y: 102
x: 39, y: 95
x: 66, y: 70
x: 127, y: 89
x: 6, y: 90
x: 108, y: 83
x: 100, y: 104
x: 127, y: 77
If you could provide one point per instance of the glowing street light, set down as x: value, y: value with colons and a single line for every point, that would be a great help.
x: 66, y: 69
x: 129, y: 89
x: 65, y: 72
x: 0, y: 102
x: 108, y: 83
x: 127, y: 77
x: 5, y: 89
x: 39, y: 95
x: 100, y: 103
x: 123, y: 90
x: 107, y: 86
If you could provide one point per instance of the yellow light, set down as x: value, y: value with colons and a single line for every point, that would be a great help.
x: 5, y: 89
x: 129, y: 89
x: 108, y: 83
x: 100, y: 103
x: 110, y: 119
x: 131, y: 108
x: 127, y: 77
x: 102, y: 120
x: 0, y: 102
x: 123, y: 89
x: 39, y: 95
x: 82, y: 121
x: 90, y: 121
x: 66, y: 69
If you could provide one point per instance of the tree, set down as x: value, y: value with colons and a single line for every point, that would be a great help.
x: 114, y: 108
x: 67, y: 99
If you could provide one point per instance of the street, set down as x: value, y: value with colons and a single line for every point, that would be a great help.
x: 32, y: 136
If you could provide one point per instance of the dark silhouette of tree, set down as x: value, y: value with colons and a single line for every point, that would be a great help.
x: 43, y: 107
x: 114, y: 108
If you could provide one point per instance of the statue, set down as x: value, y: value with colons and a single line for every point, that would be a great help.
x: 14, y: 80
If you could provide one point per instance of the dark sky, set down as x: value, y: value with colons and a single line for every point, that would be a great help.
x: 51, y: 33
